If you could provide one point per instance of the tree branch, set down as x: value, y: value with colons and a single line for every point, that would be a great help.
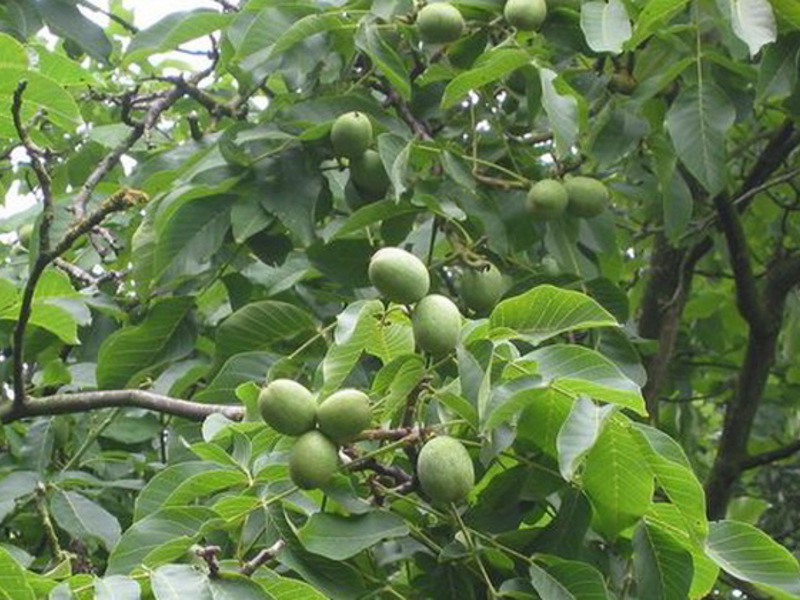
x: 263, y: 557
x: 37, y: 165
x: 771, y: 456
x: 111, y: 159
x: 119, y: 201
x: 60, y: 404
x: 747, y: 294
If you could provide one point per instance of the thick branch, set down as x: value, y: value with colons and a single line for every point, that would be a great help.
x: 61, y: 404
x: 747, y: 293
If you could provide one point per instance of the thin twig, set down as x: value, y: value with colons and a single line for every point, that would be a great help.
x: 263, y: 557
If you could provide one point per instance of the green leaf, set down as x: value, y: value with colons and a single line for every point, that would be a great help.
x: 562, y: 111
x: 13, y: 582
x: 546, y: 311
x: 12, y: 53
x: 663, y: 569
x: 285, y: 588
x: 754, y: 23
x: 355, y: 325
x: 238, y: 369
x: 64, y: 19
x: 140, y: 543
x: 777, y: 74
x: 84, y: 519
x: 311, y: 25
x: 617, y: 480
x: 179, y: 582
x: 391, y: 338
x: 788, y: 10
x: 191, y: 236
x: 41, y: 95
x: 578, y: 370
x: 182, y: 484
x: 395, y: 381
x: 336, y: 579
x: 675, y: 477
x: 376, y: 212
x: 542, y: 419
x: 697, y: 123
x: 654, y: 14
x: 705, y: 572
x: 129, y: 351
x: 292, y: 183
x: 579, y: 433
x: 174, y: 30
x: 259, y: 325
x: 339, y: 538
x: 384, y: 57
x: 751, y: 555
x: 567, y: 580
x: 490, y: 67
x: 18, y: 484
x: 605, y: 25
x: 117, y: 587
x: 232, y: 586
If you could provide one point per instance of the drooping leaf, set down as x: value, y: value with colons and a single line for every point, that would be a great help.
x: 579, y: 433
x: 754, y: 23
x: 750, y: 554
x: 562, y: 111
x: 697, y: 123
x: 605, y: 25
x: 663, y: 569
x: 384, y: 57
x: 617, y: 480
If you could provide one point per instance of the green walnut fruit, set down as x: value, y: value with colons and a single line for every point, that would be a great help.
x: 525, y: 15
x: 351, y: 134
x: 587, y: 197
x: 440, y: 23
x: 399, y: 275
x: 344, y: 414
x: 287, y: 407
x: 445, y: 470
x: 369, y: 175
x: 25, y: 233
x: 436, y: 322
x: 481, y: 288
x: 550, y: 266
x: 547, y: 200
x: 313, y: 460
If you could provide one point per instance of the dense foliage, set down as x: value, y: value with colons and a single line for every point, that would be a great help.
x: 613, y: 414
